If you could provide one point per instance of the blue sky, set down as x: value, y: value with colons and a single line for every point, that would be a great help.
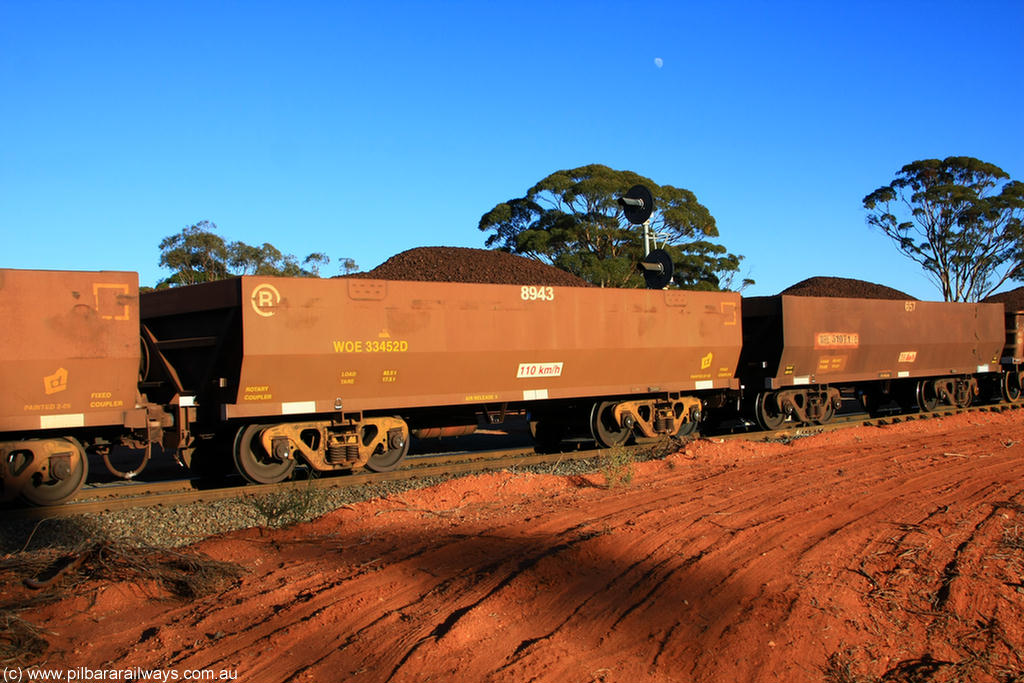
x: 362, y: 130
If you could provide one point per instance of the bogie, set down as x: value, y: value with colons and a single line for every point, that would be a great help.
x: 811, y: 405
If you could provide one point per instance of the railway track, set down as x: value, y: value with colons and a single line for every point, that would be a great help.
x: 120, y: 496
x: 123, y: 495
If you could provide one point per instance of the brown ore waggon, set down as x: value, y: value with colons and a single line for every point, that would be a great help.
x: 800, y: 354
x: 341, y: 373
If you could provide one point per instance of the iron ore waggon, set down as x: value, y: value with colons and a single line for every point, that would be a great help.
x: 69, y: 369
x: 801, y: 354
x: 341, y: 373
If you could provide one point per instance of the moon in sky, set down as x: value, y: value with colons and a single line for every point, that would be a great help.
x: 659, y: 62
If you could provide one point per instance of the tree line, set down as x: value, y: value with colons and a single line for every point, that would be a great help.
x: 198, y: 254
x: 958, y: 218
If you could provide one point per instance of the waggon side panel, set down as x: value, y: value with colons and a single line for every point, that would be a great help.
x: 310, y: 345
x: 835, y: 340
x: 69, y: 349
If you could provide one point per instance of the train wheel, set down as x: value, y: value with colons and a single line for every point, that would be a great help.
x: 46, y: 488
x: 254, y: 463
x: 603, y: 427
x: 927, y: 399
x: 768, y: 414
x: 398, y: 448
x: 1011, y: 388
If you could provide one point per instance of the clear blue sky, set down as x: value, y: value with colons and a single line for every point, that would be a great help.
x: 364, y: 129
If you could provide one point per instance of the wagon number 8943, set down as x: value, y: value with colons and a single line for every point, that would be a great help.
x: 531, y: 293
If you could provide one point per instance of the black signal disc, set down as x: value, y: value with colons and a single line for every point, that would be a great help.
x: 657, y: 269
x: 638, y: 214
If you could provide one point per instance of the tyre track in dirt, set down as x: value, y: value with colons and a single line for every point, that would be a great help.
x: 753, y: 562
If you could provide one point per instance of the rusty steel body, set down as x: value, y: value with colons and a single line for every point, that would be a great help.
x: 69, y: 364
x: 264, y: 349
x: 792, y: 340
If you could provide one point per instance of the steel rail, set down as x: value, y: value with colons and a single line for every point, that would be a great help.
x: 180, y: 492
x: 137, y: 489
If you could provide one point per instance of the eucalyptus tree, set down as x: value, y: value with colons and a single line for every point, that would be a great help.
x: 198, y: 254
x: 959, y: 218
x: 572, y: 219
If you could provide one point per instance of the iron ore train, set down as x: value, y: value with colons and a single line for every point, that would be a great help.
x: 256, y: 374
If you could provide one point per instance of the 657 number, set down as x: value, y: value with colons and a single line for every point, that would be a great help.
x: 531, y: 293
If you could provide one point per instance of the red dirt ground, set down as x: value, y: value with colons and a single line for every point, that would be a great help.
x: 868, y: 550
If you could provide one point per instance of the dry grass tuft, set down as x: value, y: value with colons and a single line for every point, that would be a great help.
x: 20, y: 641
x: 840, y: 669
x: 183, y: 575
x: 617, y: 468
x: 1013, y: 538
x: 52, y: 577
x: 290, y: 506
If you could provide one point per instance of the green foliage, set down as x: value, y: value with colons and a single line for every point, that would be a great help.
x: 959, y: 218
x: 199, y: 254
x: 196, y: 254
x: 571, y: 219
x: 617, y: 468
x: 347, y: 266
